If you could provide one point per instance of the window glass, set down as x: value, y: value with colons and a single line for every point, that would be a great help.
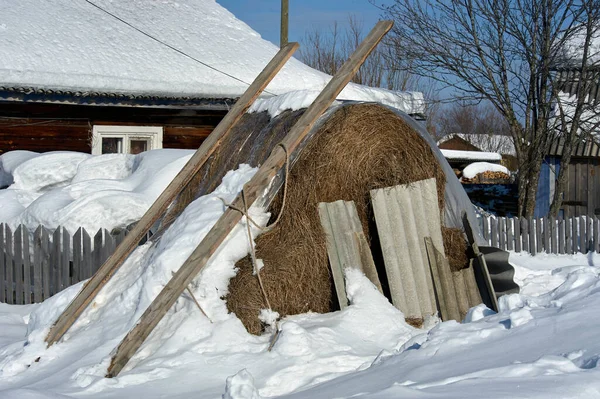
x: 112, y: 145
x: 138, y: 145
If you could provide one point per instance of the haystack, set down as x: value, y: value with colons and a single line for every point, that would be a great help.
x: 354, y: 148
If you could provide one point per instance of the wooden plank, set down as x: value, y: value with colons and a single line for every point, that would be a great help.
x: 574, y: 235
x: 77, y: 257
x: 86, y: 242
x: 545, y: 242
x: 510, y: 243
x: 561, y: 236
x: 532, y: 233
x: 471, y: 284
x: 38, y: 267
x: 44, y: 254
x: 114, y: 262
x: 553, y: 235
x: 486, y: 228
x: 2, y: 265
x: 65, y: 259
x: 524, y: 234
x: 596, y: 223
x: 8, y: 255
x: 24, y: 263
x: 18, y: 264
x: 582, y: 234
x: 443, y: 282
x: 55, y: 254
x: 517, y: 229
x: 539, y: 239
x: 97, y: 251
x: 589, y: 238
x: 462, y: 298
x: 502, y: 233
x: 252, y: 190
x: 494, y: 232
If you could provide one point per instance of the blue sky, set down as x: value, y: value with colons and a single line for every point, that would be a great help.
x: 264, y: 15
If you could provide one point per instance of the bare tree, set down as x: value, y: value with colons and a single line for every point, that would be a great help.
x: 473, y: 119
x: 576, y: 111
x: 501, y: 51
x: 327, y: 51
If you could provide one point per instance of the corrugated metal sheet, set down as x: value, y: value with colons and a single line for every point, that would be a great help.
x: 347, y: 246
x: 405, y: 215
x: 570, y: 79
x: 586, y: 148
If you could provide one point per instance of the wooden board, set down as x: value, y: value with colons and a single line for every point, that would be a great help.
x: 253, y: 190
x: 114, y: 262
x: 443, y: 282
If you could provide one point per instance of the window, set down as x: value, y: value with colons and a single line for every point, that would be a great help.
x: 125, y: 139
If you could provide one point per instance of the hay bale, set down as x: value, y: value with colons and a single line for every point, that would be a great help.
x: 358, y: 148
x: 455, y: 248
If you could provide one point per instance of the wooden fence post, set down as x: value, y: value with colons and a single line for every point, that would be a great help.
x: 517, y: 230
x: 3, y: 280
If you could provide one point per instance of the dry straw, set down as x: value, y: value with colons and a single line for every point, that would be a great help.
x: 358, y: 148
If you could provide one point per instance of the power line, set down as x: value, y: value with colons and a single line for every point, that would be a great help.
x: 168, y: 45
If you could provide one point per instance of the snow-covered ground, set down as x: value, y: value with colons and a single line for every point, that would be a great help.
x: 542, y: 344
x: 75, y: 190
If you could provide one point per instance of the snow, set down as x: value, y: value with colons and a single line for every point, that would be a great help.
x: 74, y: 46
x: 543, y: 342
x: 476, y: 168
x: 75, y: 190
x: 471, y: 155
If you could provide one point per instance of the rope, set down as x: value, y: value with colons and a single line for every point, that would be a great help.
x: 244, y: 212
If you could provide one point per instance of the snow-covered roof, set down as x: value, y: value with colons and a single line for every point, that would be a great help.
x: 485, y: 142
x: 471, y: 155
x: 75, y: 47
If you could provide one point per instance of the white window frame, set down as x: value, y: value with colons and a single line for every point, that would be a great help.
x: 153, y: 133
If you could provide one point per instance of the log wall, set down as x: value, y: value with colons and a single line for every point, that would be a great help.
x: 53, y: 127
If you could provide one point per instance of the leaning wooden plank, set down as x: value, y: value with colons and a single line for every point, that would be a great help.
x: 472, y: 290
x: 443, y: 281
x: 112, y: 264
x: 252, y: 191
x: 342, y: 227
x: 462, y: 297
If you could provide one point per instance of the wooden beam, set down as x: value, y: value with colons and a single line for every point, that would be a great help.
x: 114, y: 262
x: 252, y: 191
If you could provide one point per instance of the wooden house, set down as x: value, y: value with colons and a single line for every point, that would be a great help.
x: 133, y: 75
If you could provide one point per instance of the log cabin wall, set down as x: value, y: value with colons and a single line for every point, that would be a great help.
x: 52, y: 127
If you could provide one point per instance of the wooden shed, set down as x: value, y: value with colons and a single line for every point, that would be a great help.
x: 582, y: 192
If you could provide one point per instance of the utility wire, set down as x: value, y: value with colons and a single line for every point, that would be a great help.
x: 168, y: 45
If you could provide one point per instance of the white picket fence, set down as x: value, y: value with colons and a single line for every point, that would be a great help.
x: 549, y: 235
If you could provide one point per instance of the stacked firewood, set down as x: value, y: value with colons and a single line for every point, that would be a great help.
x: 487, y: 177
